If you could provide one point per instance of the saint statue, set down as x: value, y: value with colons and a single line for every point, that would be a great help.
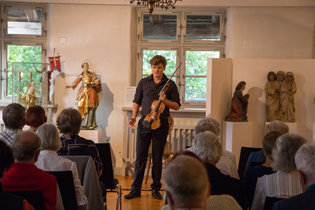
x: 239, y: 105
x: 287, y: 91
x: 88, y: 97
x: 280, y: 90
x: 29, y: 96
x: 272, y: 89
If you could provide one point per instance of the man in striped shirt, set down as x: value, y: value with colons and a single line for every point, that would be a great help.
x: 13, y: 117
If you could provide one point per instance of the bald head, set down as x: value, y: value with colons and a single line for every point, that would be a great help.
x: 25, y: 145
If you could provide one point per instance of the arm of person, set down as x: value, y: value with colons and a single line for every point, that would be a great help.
x: 135, y: 109
x: 171, y: 104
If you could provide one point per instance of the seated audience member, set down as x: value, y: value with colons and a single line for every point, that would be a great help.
x: 48, y: 160
x: 69, y: 124
x: 13, y: 117
x: 227, y: 163
x: 24, y: 175
x: 259, y: 156
x: 186, y: 185
x: 251, y: 175
x: 35, y: 116
x: 9, y: 201
x: 208, y: 147
x: 305, y: 164
x: 285, y: 182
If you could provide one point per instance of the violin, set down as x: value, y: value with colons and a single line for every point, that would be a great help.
x: 152, y: 120
x: 157, y: 107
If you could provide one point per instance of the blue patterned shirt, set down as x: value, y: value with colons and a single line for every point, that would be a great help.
x: 7, y: 135
x: 75, y: 145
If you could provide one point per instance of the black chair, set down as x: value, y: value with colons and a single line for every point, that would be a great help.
x: 66, y: 187
x: 253, y: 163
x: 245, y: 152
x: 270, y: 201
x: 34, y: 197
x: 108, y: 172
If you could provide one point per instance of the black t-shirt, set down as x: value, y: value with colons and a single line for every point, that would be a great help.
x: 148, y: 91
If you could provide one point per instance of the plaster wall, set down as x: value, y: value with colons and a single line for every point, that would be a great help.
x: 270, y: 32
x: 102, y: 35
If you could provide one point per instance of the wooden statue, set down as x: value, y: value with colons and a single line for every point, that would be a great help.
x: 272, y: 89
x: 238, y: 111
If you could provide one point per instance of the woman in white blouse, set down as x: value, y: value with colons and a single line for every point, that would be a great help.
x: 48, y: 160
x: 285, y: 183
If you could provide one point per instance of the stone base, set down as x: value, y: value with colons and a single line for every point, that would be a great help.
x: 94, y: 135
x: 237, y: 135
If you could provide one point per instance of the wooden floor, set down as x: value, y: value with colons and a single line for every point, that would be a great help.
x: 145, y: 202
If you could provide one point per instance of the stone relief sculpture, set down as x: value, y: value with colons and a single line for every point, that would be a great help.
x: 238, y: 111
x: 272, y: 89
x: 88, y: 97
x: 280, y: 97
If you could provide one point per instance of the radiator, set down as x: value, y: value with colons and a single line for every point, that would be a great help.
x: 179, y: 138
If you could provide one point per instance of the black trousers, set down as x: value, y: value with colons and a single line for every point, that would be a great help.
x: 144, y: 137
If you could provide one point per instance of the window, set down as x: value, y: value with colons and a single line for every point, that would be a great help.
x: 23, y: 43
x: 187, y: 37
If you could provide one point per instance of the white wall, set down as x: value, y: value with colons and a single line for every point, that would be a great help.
x: 102, y: 35
x: 270, y: 32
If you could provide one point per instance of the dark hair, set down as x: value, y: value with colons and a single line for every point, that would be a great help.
x: 269, y: 143
x: 69, y: 121
x: 35, y: 116
x: 13, y: 116
x: 6, y: 158
x: 240, y: 85
x: 156, y: 60
x: 271, y: 73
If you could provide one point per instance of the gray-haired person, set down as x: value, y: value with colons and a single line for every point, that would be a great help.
x: 285, y: 182
x: 48, y: 159
x: 305, y: 164
x: 208, y: 147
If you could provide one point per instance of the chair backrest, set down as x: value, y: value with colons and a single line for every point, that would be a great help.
x: 270, y: 201
x: 108, y: 172
x: 253, y: 163
x: 34, y: 197
x: 66, y: 187
x: 245, y: 152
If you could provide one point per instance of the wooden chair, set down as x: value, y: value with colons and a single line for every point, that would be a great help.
x: 34, y: 197
x: 166, y: 155
x: 66, y: 186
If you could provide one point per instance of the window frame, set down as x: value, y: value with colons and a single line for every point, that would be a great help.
x: 181, y: 46
x: 19, y: 40
x: 4, y: 30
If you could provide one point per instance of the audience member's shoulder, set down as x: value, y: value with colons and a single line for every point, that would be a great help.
x: 222, y: 202
x: 86, y: 141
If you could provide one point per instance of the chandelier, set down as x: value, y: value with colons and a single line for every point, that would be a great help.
x: 164, y: 4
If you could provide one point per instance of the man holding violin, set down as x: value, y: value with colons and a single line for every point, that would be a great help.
x: 149, y: 90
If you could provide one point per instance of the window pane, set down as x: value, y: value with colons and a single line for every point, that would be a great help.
x: 24, y: 21
x: 159, y: 27
x: 196, y: 62
x: 168, y: 54
x: 22, y: 58
x: 203, y: 27
x: 195, y: 89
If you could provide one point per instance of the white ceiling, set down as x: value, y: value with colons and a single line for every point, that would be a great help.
x: 223, y: 3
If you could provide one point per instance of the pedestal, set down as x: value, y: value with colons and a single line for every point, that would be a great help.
x: 237, y: 135
x: 94, y: 135
x: 292, y: 127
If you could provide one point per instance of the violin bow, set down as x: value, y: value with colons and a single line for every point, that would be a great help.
x: 170, y: 78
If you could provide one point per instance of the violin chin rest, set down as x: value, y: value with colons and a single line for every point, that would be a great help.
x: 146, y: 124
